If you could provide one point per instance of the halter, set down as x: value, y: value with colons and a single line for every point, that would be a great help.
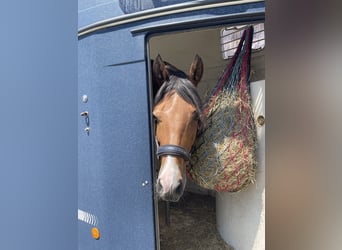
x: 174, y: 150
x: 171, y: 149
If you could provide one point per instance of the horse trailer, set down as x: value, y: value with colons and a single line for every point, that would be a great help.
x: 117, y: 205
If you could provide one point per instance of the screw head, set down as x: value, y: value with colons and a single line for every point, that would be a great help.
x: 84, y: 98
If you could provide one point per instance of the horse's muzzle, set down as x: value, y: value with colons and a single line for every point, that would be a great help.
x: 173, y: 194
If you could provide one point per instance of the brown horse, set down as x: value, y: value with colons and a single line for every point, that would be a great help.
x: 178, y: 116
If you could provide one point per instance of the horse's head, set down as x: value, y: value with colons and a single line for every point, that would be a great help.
x: 177, y: 112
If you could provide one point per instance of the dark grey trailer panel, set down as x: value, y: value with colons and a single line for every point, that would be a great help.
x: 115, y: 174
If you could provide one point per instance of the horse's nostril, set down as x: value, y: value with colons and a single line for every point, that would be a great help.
x: 179, y: 188
x: 159, y: 186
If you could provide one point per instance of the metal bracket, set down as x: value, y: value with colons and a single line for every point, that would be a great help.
x: 85, y: 114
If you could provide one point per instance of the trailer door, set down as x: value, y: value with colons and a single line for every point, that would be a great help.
x: 115, y: 184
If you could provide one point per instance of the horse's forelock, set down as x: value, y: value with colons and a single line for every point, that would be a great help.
x: 184, y: 88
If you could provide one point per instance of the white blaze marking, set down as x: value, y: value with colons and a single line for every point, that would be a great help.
x: 169, y: 174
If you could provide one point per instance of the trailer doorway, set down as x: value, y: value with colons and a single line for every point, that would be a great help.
x: 193, y: 218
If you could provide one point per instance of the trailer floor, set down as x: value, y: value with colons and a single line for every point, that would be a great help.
x: 193, y: 225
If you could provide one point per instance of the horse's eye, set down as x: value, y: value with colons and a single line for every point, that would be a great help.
x: 195, y: 116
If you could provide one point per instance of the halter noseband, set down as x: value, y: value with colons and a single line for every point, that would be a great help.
x: 173, y: 150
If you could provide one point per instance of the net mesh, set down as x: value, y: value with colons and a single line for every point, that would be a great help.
x: 224, y: 156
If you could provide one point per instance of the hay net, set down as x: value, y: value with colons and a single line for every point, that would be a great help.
x: 224, y: 156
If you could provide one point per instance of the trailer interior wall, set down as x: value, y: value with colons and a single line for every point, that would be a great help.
x: 240, y: 216
x: 180, y: 48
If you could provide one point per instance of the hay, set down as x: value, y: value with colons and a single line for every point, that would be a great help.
x: 224, y: 157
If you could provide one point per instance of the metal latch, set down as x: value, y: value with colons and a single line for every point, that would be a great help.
x: 85, y: 114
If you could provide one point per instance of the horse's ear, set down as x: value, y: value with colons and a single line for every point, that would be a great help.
x: 196, y: 70
x: 160, y: 73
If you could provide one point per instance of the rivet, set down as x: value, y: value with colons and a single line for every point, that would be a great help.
x: 84, y: 98
x: 87, y: 129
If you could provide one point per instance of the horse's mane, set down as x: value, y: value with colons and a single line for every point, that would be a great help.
x: 179, y: 83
